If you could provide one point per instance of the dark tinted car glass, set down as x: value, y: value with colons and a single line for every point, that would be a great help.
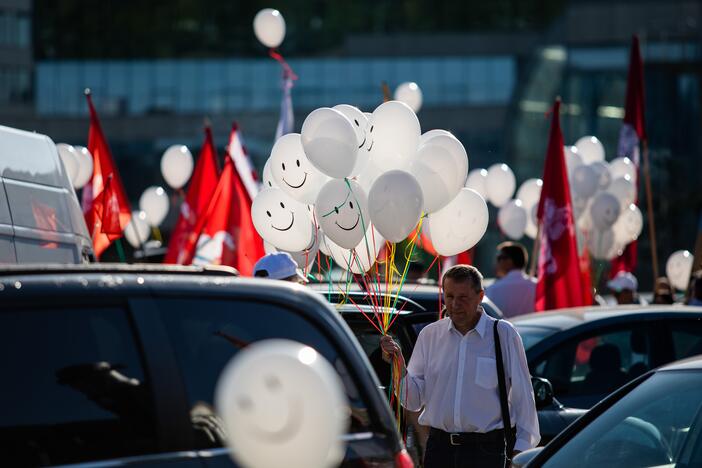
x: 73, y: 387
x: 207, y: 334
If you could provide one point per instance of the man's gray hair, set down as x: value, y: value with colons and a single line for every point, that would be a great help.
x: 465, y: 273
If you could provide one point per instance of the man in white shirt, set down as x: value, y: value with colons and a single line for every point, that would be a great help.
x: 453, y: 375
x: 513, y: 292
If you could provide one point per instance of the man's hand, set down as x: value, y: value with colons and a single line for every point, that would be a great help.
x: 391, y: 349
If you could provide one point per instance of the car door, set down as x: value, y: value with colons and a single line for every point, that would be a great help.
x: 206, y: 333
x: 76, y: 388
x: 586, y: 367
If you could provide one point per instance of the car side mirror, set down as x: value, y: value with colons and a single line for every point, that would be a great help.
x: 543, y: 392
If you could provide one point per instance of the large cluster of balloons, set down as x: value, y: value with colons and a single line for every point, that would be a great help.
x: 351, y: 181
x: 603, y: 196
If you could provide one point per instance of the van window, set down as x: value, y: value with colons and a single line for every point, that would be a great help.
x: 35, y: 251
x: 73, y: 387
x: 206, y: 334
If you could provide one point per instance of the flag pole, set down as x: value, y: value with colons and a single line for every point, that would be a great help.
x: 386, y: 91
x: 535, y: 251
x: 649, y: 204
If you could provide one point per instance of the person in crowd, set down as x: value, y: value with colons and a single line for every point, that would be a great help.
x: 662, y: 291
x: 513, y: 292
x: 453, y: 378
x: 696, y: 289
x: 279, y: 266
x: 624, y: 286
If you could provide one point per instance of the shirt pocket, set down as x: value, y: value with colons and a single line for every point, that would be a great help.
x: 486, y: 372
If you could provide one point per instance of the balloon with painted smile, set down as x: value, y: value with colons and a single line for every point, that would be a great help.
x: 359, y: 122
x: 292, y: 170
x: 281, y: 220
x: 342, y: 212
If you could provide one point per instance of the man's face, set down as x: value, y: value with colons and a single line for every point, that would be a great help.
x: 502, y: 264
x: 625, y: 296
x: 461, y: 300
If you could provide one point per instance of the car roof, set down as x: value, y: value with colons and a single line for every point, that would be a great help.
x: 146, y: 268
x: 691, y: 363
x: 563, y: 319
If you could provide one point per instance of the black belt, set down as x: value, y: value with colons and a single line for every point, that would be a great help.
x: 464, y: 438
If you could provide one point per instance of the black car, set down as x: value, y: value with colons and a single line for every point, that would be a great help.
x: 586, y: 353
x: 118, y: 364
x: 653, y: 421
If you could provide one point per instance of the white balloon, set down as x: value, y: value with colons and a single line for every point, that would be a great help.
x: 154, y: 202
x: 432, y: 133
x: 500, y: 184
x: 678, y: 269
x: 342, y: 212
x: 269, y: 27
x: 69, y: 159
x: 410, y: 94
x: 590, y: 149
x: 604, y: 210
x: 530, y: 192
x: 580, y: 206
x: 138, y: 230
x: 85, y: 166
x: 477, y: 180
x: 330, y: 142
x: 282, y: 220
x: 585, y: 219
x: 282, y: 404
x: 460, y: 224
x: 361, y: 258
x: 512, y: 219
x: 585, y: 181
x: 456, y: 149
x: 395, y: 203
x: 573, y: 159
x: 368, y: 175
x: 177, y: 165
x: 304, y: 258
x: 531, y: 229
x: 604, y: 179
x: 624, y: 189
x: 293, y: 172
x: 359, y: 122
x: 620, y: 167
x: 602, y: 245
x: 435, y: 170
x: 629, y: 225
x: 393, y: 136
x: 268, y: 180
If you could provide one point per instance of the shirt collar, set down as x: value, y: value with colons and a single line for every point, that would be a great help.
x: 480, y: 327
x: 516, y: 273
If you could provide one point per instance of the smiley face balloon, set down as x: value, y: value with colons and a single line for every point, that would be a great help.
x: 281, y: 220
x: 359, y: 122
x: 282, y: 404
x: 293, y: 172
x: 342, y: 212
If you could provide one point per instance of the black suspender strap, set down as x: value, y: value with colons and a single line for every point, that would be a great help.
x: 509, y: 435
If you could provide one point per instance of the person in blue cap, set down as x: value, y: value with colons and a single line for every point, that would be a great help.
x: 279, y: 266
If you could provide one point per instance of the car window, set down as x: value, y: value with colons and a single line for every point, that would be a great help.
x: 207, y: 334
x: 687, y: 338
x: 531, y: 335
x: 586, y: 368
x: 647, y: 427
x: 368, y: 337
x: 73, y: 387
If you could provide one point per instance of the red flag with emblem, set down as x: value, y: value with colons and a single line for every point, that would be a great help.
x: 559, y: 278
x: 202, y: 186
x: 104, y: 198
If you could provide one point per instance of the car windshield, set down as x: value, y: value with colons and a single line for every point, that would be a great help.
x: 657, y: 424
x: 532, y: 335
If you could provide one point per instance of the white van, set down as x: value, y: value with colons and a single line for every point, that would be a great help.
x: 40, y: 218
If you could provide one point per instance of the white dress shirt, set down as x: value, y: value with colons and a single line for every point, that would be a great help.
x: 513, y: 293
x: 454, y: 377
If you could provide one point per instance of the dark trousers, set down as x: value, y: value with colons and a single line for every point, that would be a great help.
x: 465, y: 449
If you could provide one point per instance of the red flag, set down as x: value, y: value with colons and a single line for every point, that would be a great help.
x: 633, y: 132
x: 96, y: 197
x: 242, y: 161
x: 227, y: 235
x: 559, y: 278
x: 202, y: 186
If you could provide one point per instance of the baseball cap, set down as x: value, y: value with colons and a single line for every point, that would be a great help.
x: 623, y: 280
x: 277, y: 265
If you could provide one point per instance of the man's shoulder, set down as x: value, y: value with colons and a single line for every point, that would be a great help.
x: 505, y: 327
x: 435, y: 327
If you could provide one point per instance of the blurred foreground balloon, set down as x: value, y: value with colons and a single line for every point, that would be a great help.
x: 138, y: 229
x: 678, y: 269
x: 282, y: 404
x: 269, y: 27
x: 410, y: 94
x: 177, y: 165
x: 154, y: 202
